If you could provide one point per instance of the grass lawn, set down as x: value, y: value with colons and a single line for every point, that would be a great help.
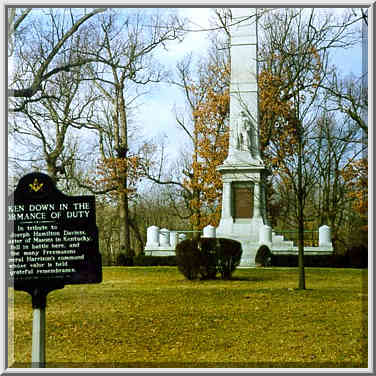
x: 152, y: 317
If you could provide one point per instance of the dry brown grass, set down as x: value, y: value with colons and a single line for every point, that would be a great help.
x: 152, y: 317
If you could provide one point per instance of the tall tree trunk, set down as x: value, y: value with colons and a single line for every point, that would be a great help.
x: 51, y: 169
x: 137, y: 232
x: 302, y: 285
x: 300, y: 203
x: 125, y: 239
x: 196, y: 226
x: 124, y: 235
x: 196, y: 208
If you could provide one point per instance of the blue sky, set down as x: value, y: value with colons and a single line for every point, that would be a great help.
x: 156, y: 117
x: 161, y: 104
x: 349, y: 60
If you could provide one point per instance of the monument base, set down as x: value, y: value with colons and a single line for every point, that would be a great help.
x: 243, y: 204
x: 247, y: 232
x: 243, y: 159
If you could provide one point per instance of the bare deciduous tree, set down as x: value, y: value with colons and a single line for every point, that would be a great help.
x: 126, y: 43
x: 294, y: 57
x: 42, y: 53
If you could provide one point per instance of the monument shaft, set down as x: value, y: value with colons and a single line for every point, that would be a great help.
x: 244, y: 145
x: 243, y: 204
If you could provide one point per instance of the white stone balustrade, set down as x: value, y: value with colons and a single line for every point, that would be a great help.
x: 152, y: 237
x: 325, y: 236
x: 209, y: 232
x: 164, y: 237
x: 173, y: 239
x: 163, y: 242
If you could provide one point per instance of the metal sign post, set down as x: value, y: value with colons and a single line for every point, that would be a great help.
x: 38, y: 352
x: 39, y: 302
x: 38, y: 348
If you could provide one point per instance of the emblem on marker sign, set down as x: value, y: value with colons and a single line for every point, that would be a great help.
x: 35, y: 186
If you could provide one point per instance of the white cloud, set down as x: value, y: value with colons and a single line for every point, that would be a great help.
x: 157, y: 117
x: 196, y: 41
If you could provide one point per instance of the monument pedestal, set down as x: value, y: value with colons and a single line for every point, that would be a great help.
x: 243, y: 206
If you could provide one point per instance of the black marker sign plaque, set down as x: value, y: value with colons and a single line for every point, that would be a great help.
x: 52, y: 237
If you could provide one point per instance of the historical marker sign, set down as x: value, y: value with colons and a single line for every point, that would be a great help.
x: 52, y: 237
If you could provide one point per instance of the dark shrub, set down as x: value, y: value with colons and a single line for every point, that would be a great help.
x: 263, y: 256
x: 338, y: 261
x: 317, y: 260
x: 229, y: 255
x: 124, y: 260
x: 284, y: 260
x: 143, y: 260
x: 219, y: 255
x: 207, y: 257
x: 188, y: 258
x: 309, y: 260
x: 357, y: 257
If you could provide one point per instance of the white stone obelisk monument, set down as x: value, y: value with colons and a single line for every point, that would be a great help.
x: 243, y: 200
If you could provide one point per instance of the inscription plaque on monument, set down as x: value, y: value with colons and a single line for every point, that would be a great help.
x: 243, y: 201
x: 52, y: 237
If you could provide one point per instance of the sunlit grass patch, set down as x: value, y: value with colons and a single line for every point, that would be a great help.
x: 153, y: 317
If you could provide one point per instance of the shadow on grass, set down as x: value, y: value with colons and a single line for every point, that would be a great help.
x: 236, y: 278
x: 260, y: 277
x: 251, y: 278
x: 218, y: 279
